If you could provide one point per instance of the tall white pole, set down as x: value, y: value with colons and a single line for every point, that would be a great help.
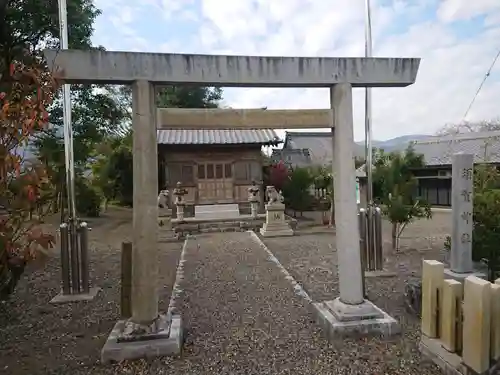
x: 368, y: 109
x: 67, y: 128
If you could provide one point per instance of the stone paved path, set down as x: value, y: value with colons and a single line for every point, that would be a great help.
x: 242, y: 316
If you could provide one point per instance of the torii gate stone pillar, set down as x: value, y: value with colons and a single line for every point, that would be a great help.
x: 148, y: 333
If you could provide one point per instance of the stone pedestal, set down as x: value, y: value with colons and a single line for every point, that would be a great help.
x: 65, y: 298
x: 165, y: 232
x: 275, y: 225
x: 165, y: 338
x: 254, y: 207
x: 180, y: 211
x: 338, y: 318
x: 459, y: 276
x: 164, y: 213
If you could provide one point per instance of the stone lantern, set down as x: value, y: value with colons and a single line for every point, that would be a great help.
x: 179, y: 193
x: 253, y: 198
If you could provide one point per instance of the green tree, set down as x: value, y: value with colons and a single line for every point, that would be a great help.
x: 486, y: 218
x: 394, y: 177
x: 323, y: 179
x: 189, y: 97
x: 296, y: 190
x: 30, y: 25
x: 113, y: 172
x: 95, y: 115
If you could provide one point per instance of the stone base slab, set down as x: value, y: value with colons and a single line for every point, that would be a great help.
x: 449, y: 363
x: 117, y: 349
x: 68, y: 298
x: 379, y: 273
x: 339, y: 319
x: 458, y: 276
x: 276, y: 230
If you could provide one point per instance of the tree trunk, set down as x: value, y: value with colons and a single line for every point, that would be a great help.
x: 395, y: 239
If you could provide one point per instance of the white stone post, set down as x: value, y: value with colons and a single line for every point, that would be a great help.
x: 346, y: 219
x: 350, y: 312
x: 145, y: 221
x: 462, y: 191
x: 462, y: 199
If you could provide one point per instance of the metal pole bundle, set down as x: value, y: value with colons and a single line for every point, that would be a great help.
x: 362, y: 244
x: 370, y: 233
x: 75, y: 260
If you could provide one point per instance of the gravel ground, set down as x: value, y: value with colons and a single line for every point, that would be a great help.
x: 39, y: 338
x: 312, y: 261
x: 240, y: 314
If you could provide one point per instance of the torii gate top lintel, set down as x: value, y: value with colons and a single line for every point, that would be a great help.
x: 96, y: 66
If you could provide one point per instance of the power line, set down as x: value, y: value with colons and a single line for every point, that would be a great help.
x: 481, y: 85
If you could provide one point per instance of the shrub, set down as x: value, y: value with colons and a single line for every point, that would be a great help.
x: 486, y: 233
x: 279, y: 176
x: 486, y: 219
x: 24, y: 95
x: 296, y: 191
x: 88, y: 200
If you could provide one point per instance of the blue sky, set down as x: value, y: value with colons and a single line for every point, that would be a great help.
x: 456, y: 39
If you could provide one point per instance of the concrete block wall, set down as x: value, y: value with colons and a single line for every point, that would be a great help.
x: 463, y: 317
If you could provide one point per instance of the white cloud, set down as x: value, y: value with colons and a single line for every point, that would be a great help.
x: 453, y: 10
x: 452, y: 66
x: 450, y: 72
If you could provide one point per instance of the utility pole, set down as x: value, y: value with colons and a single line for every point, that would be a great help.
x: 73, y: 234
x: 368, y: 109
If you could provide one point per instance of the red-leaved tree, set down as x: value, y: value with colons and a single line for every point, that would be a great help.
x: 279, y: 175
x: 26, y: 90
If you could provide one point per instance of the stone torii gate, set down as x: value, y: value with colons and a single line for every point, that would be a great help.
x: 350, y: 311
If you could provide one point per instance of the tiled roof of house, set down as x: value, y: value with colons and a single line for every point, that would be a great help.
x: 301, y: 158
x: 292, y: 157
x: 211, y: 137
x: 438, y: 150
x: 318, y: 143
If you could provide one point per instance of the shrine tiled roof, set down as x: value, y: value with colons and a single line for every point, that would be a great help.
x: 214, y: 137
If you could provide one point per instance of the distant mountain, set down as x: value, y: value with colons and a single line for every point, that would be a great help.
x: 394, y: 144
